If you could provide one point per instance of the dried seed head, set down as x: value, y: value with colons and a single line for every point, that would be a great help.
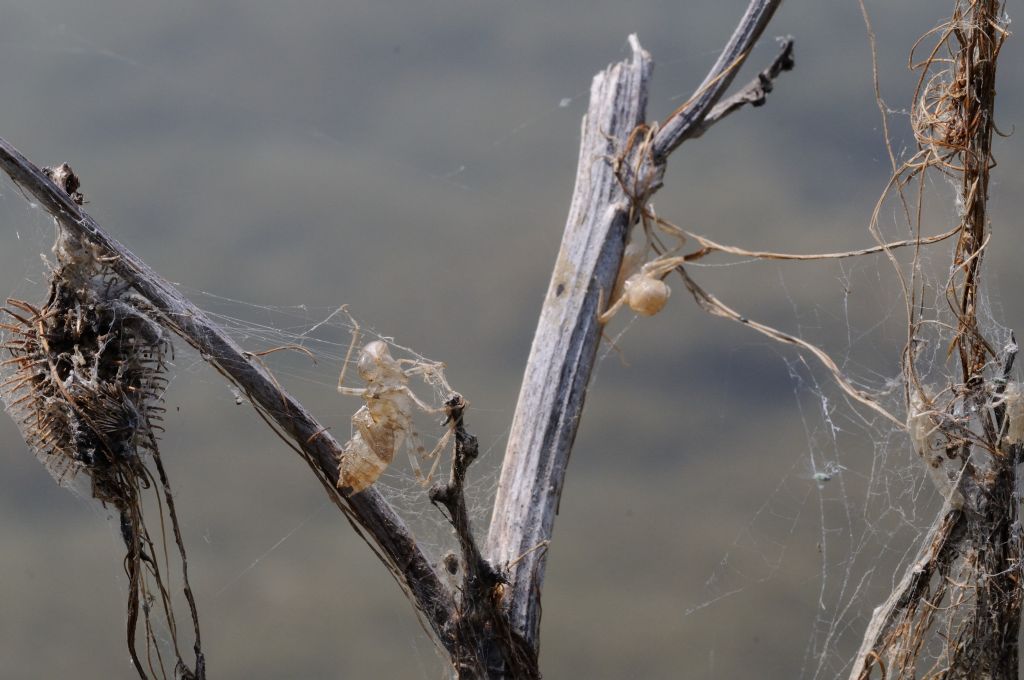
x: 83, y: 381
x: 83, y: 378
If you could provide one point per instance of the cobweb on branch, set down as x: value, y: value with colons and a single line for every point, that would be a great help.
x: 857, y: 484
x: 312, y: 344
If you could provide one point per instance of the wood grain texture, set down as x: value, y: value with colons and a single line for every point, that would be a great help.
x: 565, y: 343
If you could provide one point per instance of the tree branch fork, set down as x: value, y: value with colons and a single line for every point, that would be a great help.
x: 489, y: 623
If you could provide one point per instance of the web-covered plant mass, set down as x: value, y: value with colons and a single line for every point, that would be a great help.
x: 83, y: 373
x: 84, y: 381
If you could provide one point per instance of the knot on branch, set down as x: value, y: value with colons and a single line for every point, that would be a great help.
x: 756, y: 93
x: 64, y: 177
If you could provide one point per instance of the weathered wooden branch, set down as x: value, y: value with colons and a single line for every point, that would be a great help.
x: 374, y: 517
x: 492, y: 628
x: 565, y: 343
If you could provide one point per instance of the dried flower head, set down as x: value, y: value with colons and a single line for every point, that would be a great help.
x: 83, y: 377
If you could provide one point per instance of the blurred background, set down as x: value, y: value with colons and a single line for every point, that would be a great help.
x: 726, y: 512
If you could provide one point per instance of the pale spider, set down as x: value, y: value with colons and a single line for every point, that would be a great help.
x: 642, y: 286
x: 385, y: 421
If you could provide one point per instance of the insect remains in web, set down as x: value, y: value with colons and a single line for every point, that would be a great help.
x: 385, y: 421
x: 827, y: 473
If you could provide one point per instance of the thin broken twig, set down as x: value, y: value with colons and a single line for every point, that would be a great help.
x: 754, y: 93
x: 489, y: 647
x: 686, y: 121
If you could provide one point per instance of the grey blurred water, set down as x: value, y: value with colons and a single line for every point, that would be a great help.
x: 415, y: 161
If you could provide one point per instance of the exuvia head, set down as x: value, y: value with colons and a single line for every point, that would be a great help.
x: 376, y: 365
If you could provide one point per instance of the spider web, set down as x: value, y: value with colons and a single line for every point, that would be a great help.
x: 316, y: 341
x: 855, y: 486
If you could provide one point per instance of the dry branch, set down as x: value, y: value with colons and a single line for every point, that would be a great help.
x: 956, y: 611
x: 488, y: 647
x: 688, y: 120
x: 565, y: 343
x: 369, y: 512
x: 492, y: 628
x: 754, y: 93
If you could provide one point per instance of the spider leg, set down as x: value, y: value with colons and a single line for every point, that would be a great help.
x: 610, y: 312
x: 415, y: 449
x: 426, y: 408
x: 431, y: 372
x: 348, y: 354
x: 442, y: 444
x: 662, y: 266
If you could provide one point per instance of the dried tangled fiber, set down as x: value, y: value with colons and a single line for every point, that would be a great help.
x: 83, y: 377
x: 956, y: 611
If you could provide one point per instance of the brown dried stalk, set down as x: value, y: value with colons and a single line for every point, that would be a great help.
x: 956, y: 611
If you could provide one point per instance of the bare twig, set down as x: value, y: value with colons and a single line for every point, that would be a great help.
x: 369, y: 512
x: 754, y: 93
x: 488, y: 647
x: 712, y: 305
x: 686, y: 121
x: 708, y: 247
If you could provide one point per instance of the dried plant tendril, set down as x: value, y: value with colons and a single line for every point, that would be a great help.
x: 83, y: 377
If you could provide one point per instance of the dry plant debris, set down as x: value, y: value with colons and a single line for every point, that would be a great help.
x: 956, y: 611
x: 83, y: 377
